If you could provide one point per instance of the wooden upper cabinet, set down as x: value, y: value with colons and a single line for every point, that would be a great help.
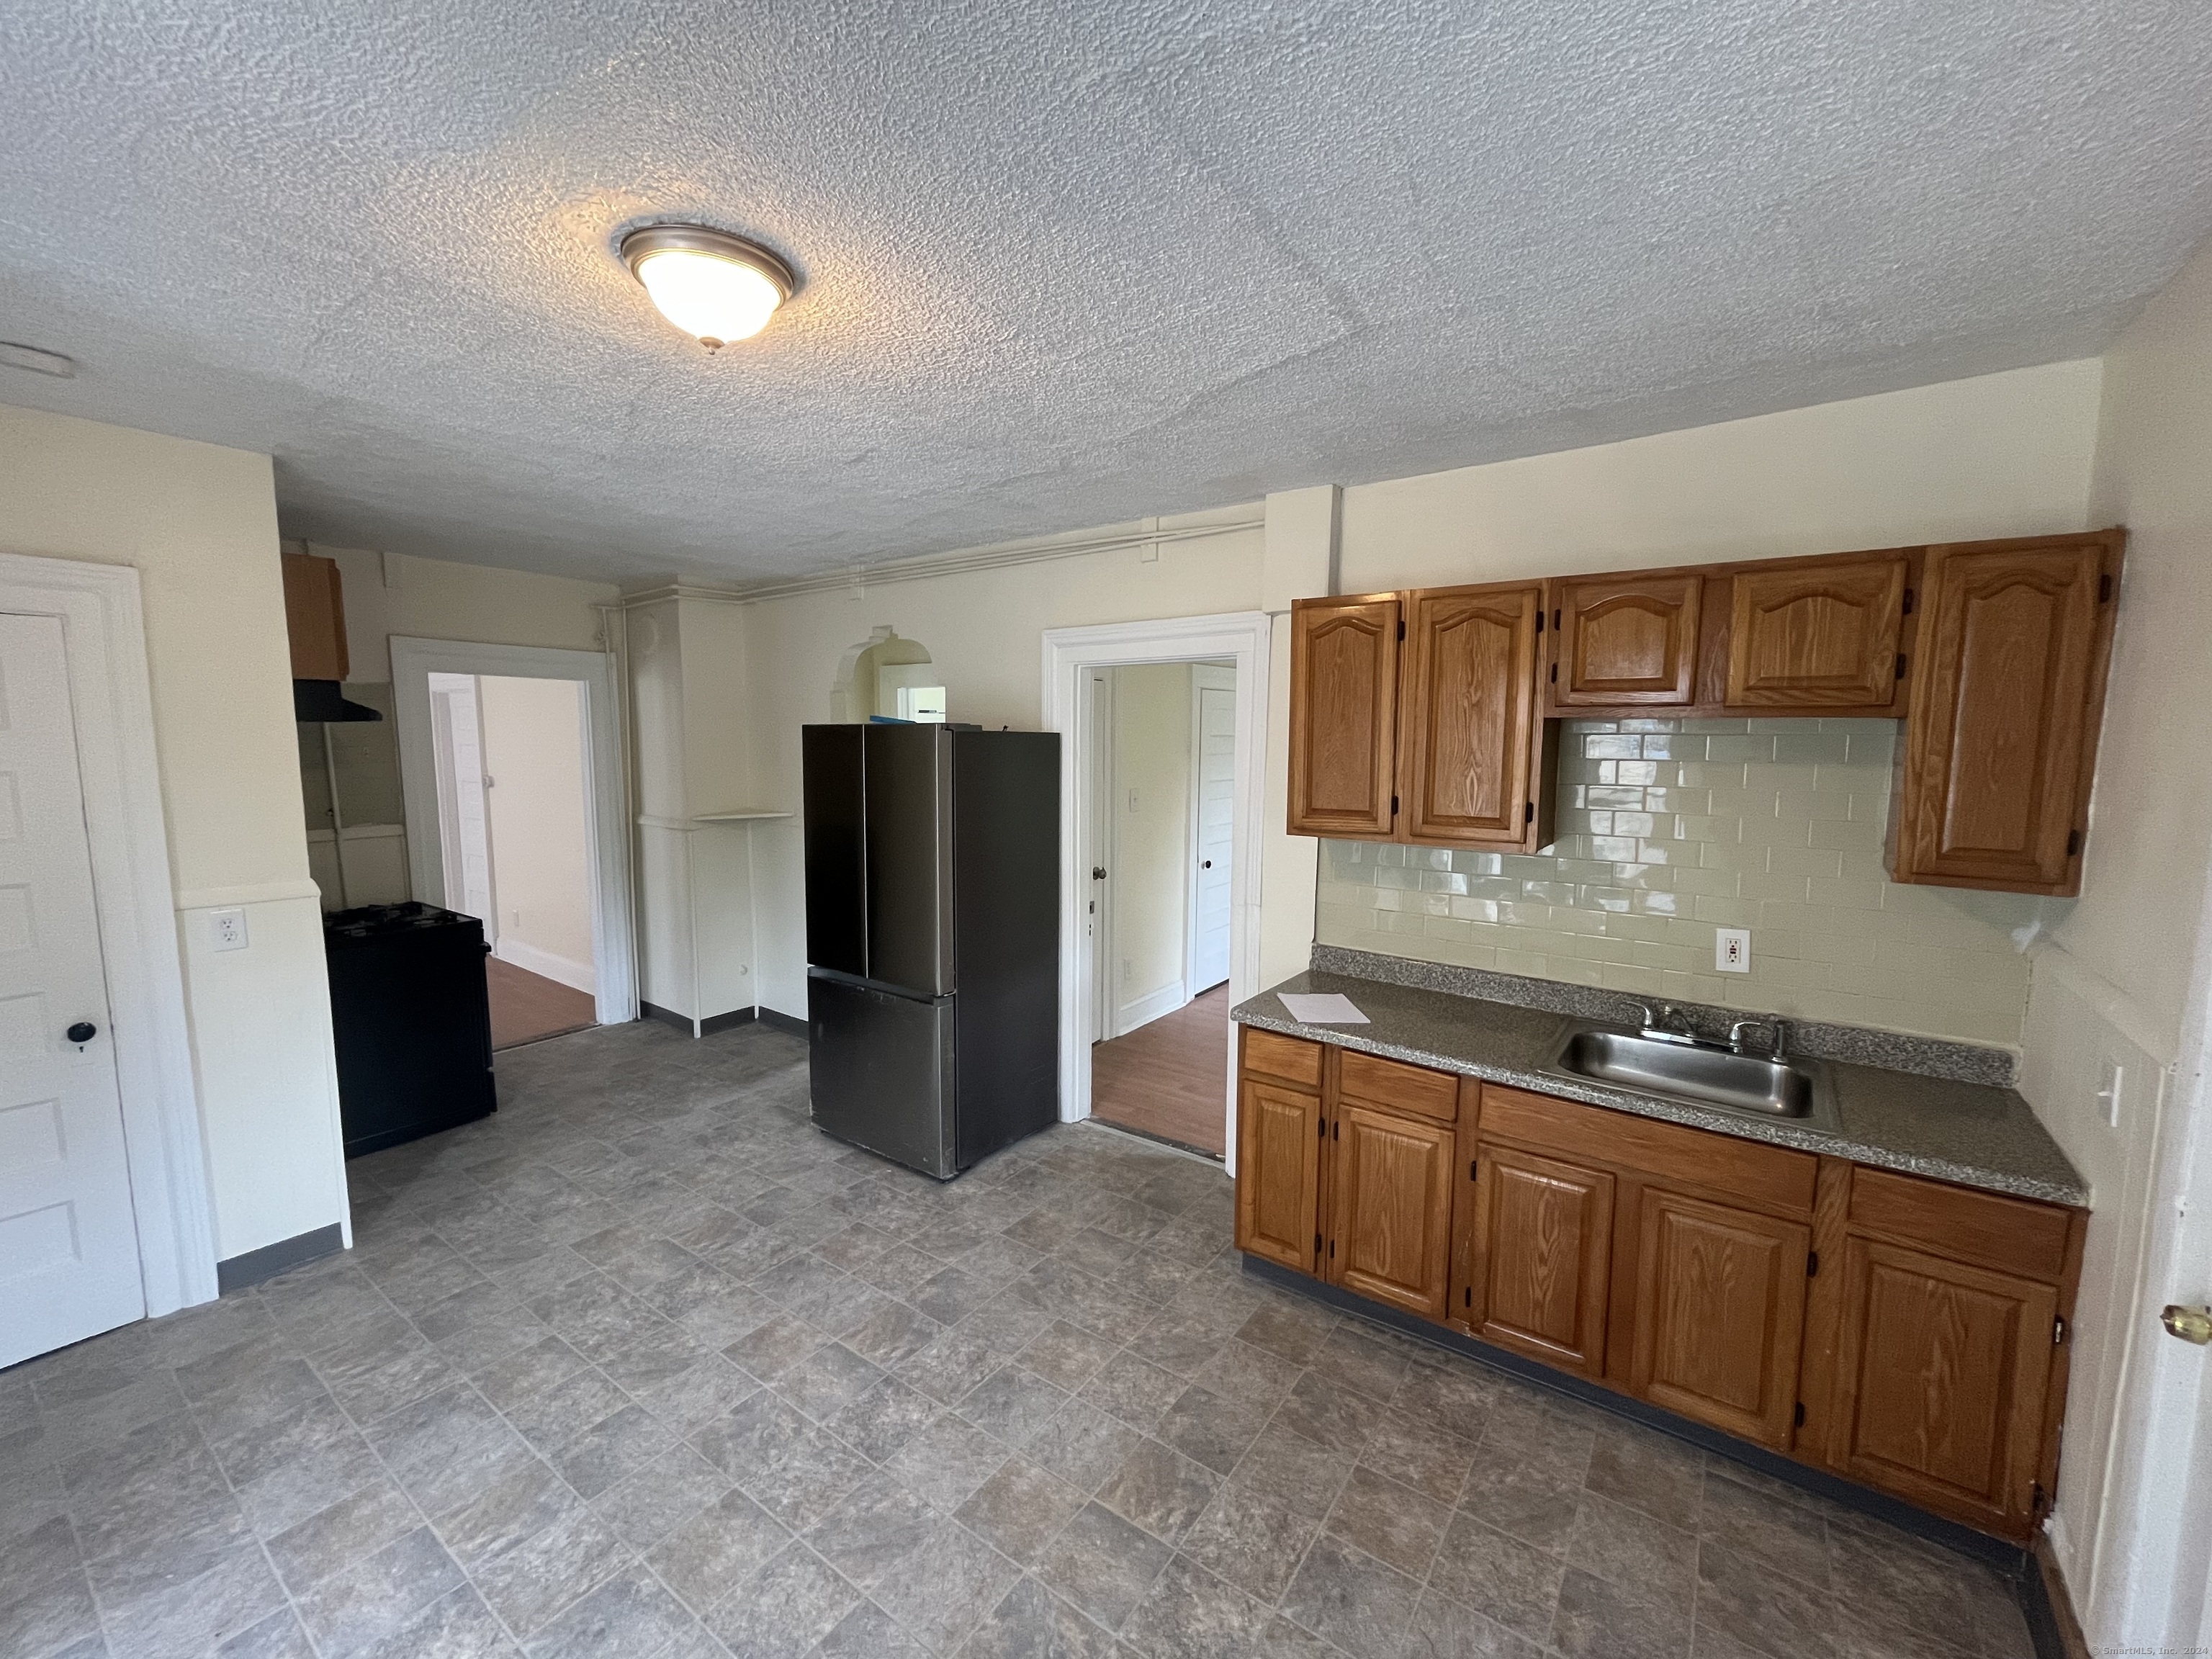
x: 2001, y: 740
x: 1941, y: 1374
x: 1278, y: 1172
x: 1344, y: 715
x: 314, y: 617
x: 1625, y: 640
x: 1718, y: 1313
x: 1389, y: 1233
x: 1471, y: 731
x: 1538, y: 1254
x: 1817, y: 636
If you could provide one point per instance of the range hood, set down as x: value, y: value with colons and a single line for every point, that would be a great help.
x: 314, y: 700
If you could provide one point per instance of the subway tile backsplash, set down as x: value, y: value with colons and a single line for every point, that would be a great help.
x: 1671, y: 828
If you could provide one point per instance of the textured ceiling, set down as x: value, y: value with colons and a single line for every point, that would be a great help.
x: 1063, y: 264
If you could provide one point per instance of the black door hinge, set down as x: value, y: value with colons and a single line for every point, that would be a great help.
x: 1555, y: 619
x: 1324, y: 1135
x: 2073, y: 843
x: 1393, y: 806
x: 1472, y: 1165
x: 1466, y: 1297
x: 1528, y: 812
x: 1800, y: 1413
x: 1908, y: 603
x: 1540, y: 619
x: 2058, y: 1331
x: 1555, y: 673
x: 2104, y: 590
x: 2038, y: 1501
x: 1900, y: 664
x: 1402, y: 630
x: 1812, y: 1263
x: 1337, y: 1132
x: 1316, y: 1243
x: 1331, y: 1249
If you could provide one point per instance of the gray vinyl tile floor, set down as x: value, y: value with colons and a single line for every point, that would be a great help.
x: 645, y: 1366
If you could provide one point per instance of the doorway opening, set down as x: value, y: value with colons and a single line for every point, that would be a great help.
x: 512, y: 828
x: 1163, y: 760
x: 512, y: 770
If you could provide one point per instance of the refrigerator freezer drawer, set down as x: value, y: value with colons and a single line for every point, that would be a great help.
x: 883, y: 1074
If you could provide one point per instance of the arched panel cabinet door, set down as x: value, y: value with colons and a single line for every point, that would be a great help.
x: 1344, y: 715
x: 1818, y: 636
x: 1471, y: 734
x: 2001, y: 741
x: 1625, y: 640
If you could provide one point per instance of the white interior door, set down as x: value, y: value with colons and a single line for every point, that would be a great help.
x: 1098, y: 835
x: 1213, y: 810
x: 69, y: 1238
x: 458, y: 734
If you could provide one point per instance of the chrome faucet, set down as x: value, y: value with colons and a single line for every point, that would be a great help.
x: 1778, y: 1029
x: 1666, y: 1024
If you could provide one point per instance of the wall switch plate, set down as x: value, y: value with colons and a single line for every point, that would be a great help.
x: 1732, y: 950
x: 226, y: 929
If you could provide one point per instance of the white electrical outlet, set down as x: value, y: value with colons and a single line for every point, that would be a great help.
x: 226, y: 929
x: 1732, y: 950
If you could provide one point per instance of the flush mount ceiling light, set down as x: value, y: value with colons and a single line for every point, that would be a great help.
x: 716, y: 286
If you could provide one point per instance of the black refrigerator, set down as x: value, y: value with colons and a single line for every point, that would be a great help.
x: 933, y: 939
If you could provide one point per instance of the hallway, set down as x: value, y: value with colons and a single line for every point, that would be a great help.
x: 1169, y: 1079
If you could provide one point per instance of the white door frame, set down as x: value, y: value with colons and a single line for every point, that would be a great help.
x: 113, y: 706
x: 1099, y: 836
x: 1204, y: 677
x: 1243, y: 637
x: 606, y: 838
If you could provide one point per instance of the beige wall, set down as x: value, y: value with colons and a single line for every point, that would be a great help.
x: 2108, y: 1004
x: 533, y: 749
x: 388, y: 593
x: 199, y: 524
x: 1152, y: 838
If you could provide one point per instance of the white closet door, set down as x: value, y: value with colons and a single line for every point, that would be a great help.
x: 69, y: 1238
x: 1214, y: 801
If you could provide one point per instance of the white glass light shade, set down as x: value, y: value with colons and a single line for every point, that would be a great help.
x: 713, y: 286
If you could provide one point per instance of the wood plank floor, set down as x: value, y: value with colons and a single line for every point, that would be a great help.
x: 526, y: 1007
x: 1170, y: 1078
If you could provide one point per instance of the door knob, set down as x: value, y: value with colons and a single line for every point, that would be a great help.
x: 2189, y: 1324
x: 83, y: 1032
x: 1205, y: 864
x: 1097, y: 873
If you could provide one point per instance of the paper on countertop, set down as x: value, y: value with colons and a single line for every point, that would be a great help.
x: 1325, y: 1010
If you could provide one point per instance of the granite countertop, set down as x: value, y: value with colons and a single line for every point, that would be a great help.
x: 1976, y: 1134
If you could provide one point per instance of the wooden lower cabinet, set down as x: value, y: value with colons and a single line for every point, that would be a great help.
x: 1918, y: 1326
x: 1278, y: 1172
x: 1389, y: 1233
x: 1940, y: 1375
x: 1718, y: 1313
x: 1538, y: 1253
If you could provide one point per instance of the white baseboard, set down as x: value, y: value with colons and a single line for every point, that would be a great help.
x: 1146, y: 1009
x: 577, y: 975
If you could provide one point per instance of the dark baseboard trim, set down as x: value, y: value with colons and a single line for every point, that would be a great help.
x: 2008, y: 1559
x: 790, y: 1024
x: 253, y: 1267
x: 707, y: 1026
x: 2051, y: 1618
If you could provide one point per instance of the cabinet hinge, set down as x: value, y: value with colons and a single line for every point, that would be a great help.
x: 2058, y: 1331
x: 1800, y: 1413
x: 1540, y: 619
x: 1336, y: 1130
x: 1316, y: 1243
x: 2104, y: 590
x: 1527, y: 811
x: 1900, y: 664
x: 1812, y: 1263
x: 1555, y: 673
x: 1394, y: 806
x: 1471, y: 1164
x: 2073, y: 843
x: 1466, y: 1297
x: 2038, y: 1500
x: 1402, y: 630
x: 1908, y: 603
x: 1324, y: 1135
x: 1331, y: 1249
x: 1555, y: 619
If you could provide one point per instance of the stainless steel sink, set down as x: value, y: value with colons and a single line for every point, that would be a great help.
x: 1702, y: 1074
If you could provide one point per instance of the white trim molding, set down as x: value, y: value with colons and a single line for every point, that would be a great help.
x: 546, y: 965
x: 1243, y: 638
x: 607, y: 826
x: 1153, y: 1005
x: 113, y: 706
